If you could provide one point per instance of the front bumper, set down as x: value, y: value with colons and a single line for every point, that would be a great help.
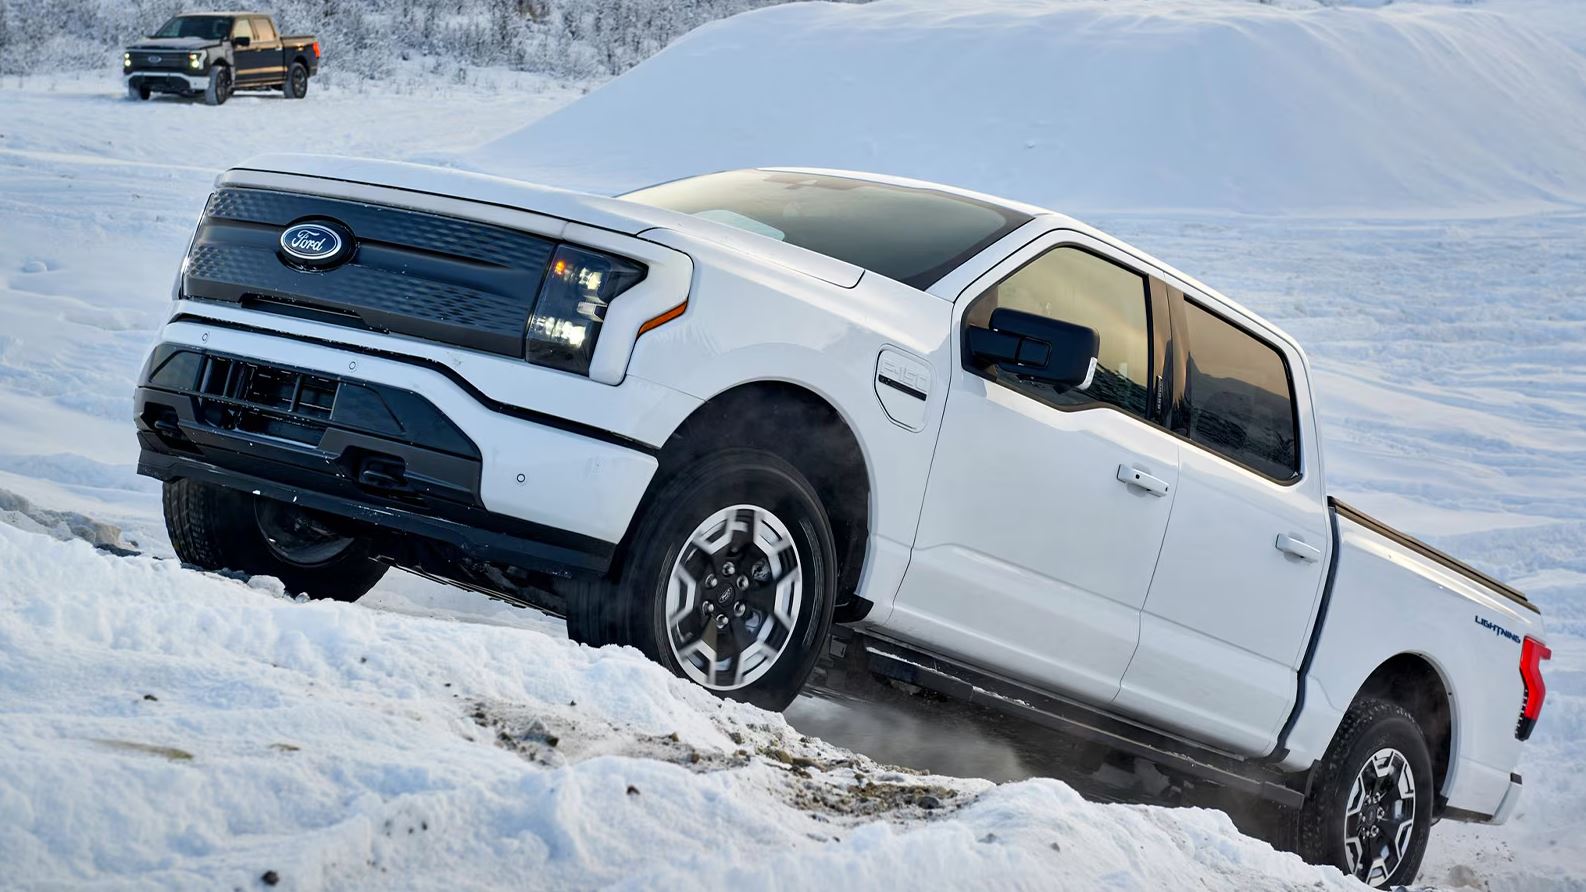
x: 167, y: 81
x: 385, y: 443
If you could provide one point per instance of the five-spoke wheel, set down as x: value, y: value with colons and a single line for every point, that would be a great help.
x: 1369, y: 812
x: 1379, y: 820
x: 728, y: 578
x: 733, y: 598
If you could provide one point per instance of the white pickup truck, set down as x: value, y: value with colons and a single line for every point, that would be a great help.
x: 1018, y: 460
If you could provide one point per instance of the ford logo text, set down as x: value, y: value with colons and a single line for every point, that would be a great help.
x: 313, y: 244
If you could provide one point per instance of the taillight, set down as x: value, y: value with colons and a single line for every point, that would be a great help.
x: 1532, y: 653
x: 316, y: 49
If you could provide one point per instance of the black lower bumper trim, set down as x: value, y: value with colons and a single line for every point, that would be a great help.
x: 523, y: 547
x: 381, y: 456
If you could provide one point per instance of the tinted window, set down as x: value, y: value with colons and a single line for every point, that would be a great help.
x: 241, y: 29
x: 1237, y: 394
x: 913, y: 235
x: 209, y: 27
x: 1073, y: 285
x: 263, y: 30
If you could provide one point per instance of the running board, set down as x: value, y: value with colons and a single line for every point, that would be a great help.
x: 898, y: 661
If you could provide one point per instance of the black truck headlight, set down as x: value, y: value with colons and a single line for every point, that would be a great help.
x: 195, y: 60
x: 565, y: 323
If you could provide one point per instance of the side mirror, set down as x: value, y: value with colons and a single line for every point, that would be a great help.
x: 241, y: 43
x: 1031, y: 346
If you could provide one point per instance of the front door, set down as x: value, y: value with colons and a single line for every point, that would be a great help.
x: 1045, y: 508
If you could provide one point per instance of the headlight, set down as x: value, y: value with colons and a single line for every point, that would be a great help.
x: 195, y: 60
x: 565, y: 323
x: 126, y: 60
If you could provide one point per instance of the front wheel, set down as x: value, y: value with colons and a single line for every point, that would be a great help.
x: 1370, y: 810
x: 215, y: 528
x: 138, y: 92
x: 728, y: 580
x: 296, y: 84
x: 219, y: 89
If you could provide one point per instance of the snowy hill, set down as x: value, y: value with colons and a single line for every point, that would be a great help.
x: 1090, y: 105
x: 165, y: 728
x: 186, y: 731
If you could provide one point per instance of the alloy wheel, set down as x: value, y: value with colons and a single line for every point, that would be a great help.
x: 1379, y: 819
x: 733, y: 597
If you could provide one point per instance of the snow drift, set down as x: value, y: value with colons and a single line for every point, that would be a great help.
x: 1088, y: 106
x: 169, y: 728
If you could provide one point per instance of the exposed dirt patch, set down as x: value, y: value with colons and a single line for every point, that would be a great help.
x: 830, y: 783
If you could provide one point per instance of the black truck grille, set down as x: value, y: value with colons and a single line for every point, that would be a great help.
x: 160, y: 61
x: 434, y: 277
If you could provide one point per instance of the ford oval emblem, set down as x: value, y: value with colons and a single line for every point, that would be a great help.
x: 154, y: 60
x: 318, y: 245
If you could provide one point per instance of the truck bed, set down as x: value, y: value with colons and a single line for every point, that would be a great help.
x: 1352, y: 513
x: 1391, y: 597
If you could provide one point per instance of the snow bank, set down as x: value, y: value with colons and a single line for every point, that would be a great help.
x: 1088, y: 105
x: 184, y: 730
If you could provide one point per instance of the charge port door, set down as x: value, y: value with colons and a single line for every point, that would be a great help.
x: 903, y: 384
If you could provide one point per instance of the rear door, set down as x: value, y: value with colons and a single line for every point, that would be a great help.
x: 260, y: 61
x: 1034, y: 554
x: 1242, y: 566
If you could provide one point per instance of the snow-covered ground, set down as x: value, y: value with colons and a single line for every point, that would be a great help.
x: 161, y: 727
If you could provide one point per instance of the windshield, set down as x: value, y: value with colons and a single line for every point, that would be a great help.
x: 209, y: 27
x: 914, y: 235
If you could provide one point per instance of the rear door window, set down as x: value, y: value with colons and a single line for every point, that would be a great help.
x: 263, y: 31
x: 1239, y: 397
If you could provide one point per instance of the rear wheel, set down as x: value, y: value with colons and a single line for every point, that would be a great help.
x: 222, y: 529
x: 1370, y: 810
x: 296, y: 84
x: 728, y: 580
x: 219, y: 89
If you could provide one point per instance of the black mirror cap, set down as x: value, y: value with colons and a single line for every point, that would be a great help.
x: 1031, y: 346
x: 241, y: 42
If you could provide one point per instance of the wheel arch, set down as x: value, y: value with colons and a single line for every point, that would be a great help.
x: 761, y: 414
x: 1415, y: 682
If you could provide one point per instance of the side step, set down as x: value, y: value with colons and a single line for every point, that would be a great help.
x: 901, y: 662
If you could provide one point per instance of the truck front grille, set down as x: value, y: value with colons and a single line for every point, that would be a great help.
x: 434, y: 277
x: 161, y: 61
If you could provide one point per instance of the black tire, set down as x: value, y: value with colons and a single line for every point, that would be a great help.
x: 296, y: 84
x: 220, y: 529
x: 629, y: 607
x: 1337, y: 810
x: 219, y: 89
x: 140, y: 92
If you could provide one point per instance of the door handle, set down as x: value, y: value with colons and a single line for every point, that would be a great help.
x: 1298, y: 548
x: 1137, y: 478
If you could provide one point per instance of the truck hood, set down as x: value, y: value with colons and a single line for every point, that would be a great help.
x: 629, y: 218
x: 173, y: 43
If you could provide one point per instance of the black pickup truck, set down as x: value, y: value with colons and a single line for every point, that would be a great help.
x: 215, y: 53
